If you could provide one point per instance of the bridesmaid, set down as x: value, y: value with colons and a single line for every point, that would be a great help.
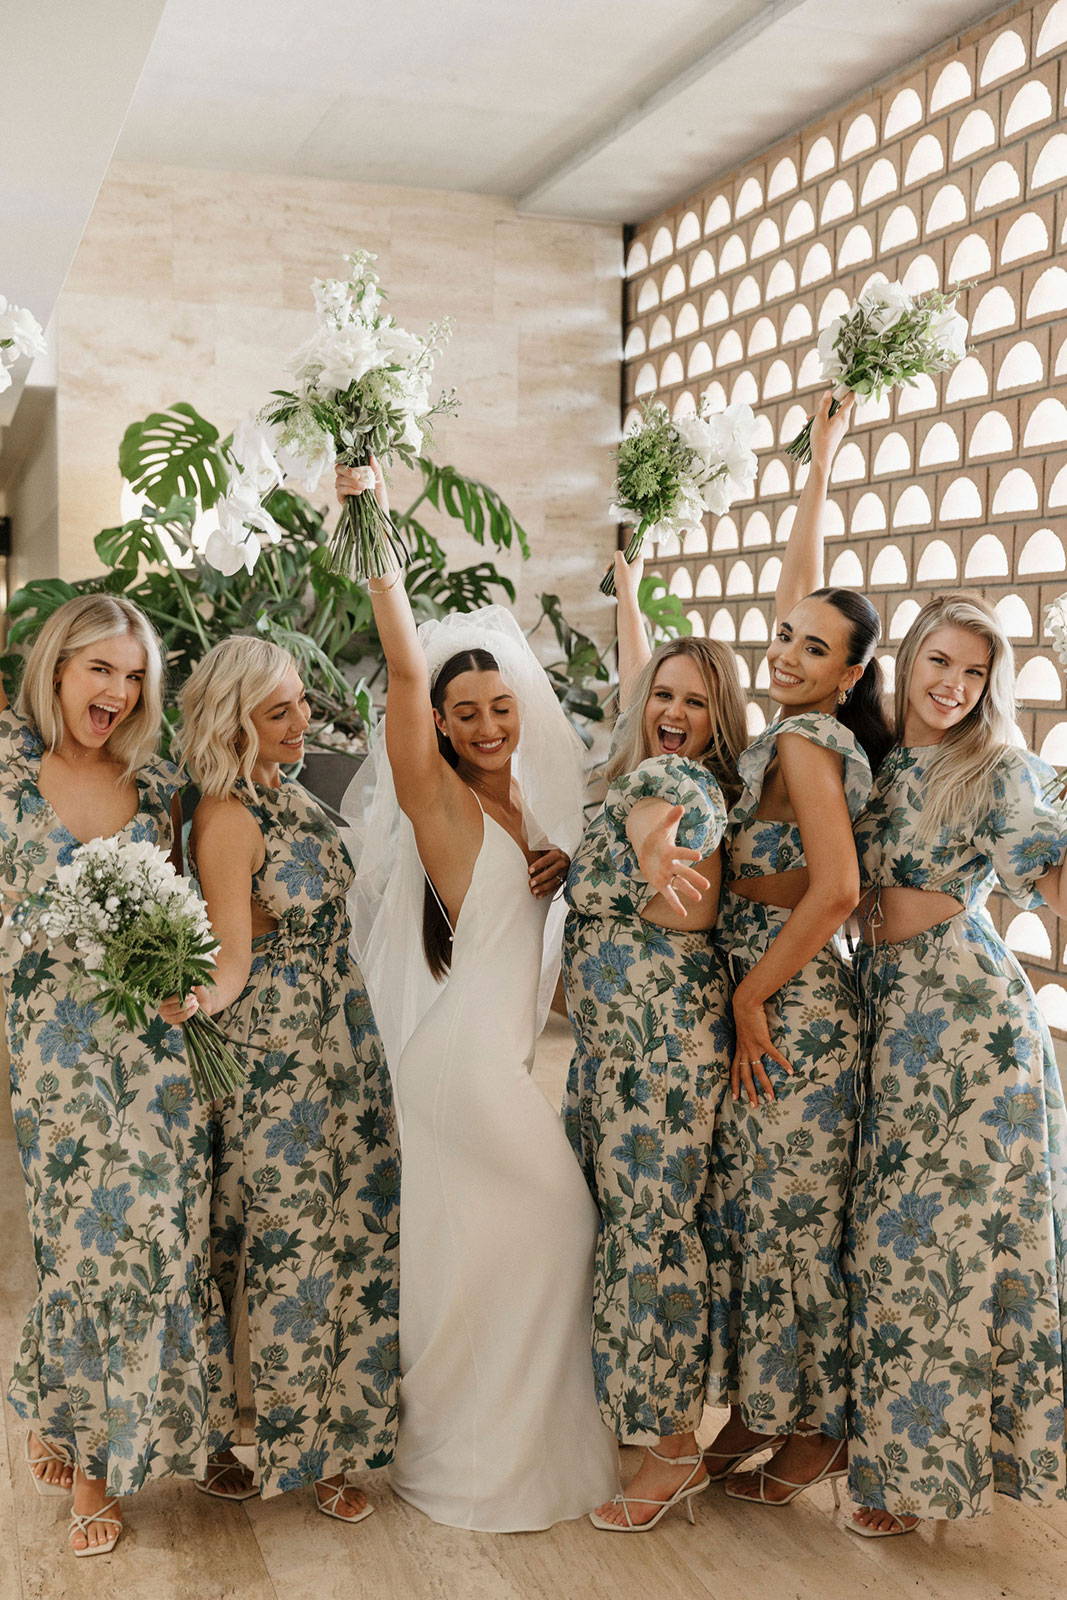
x: 124, y: 1366
x: 647, y: 996
x: 782, y: 1150
x: 957, y: 1252
x: 308, y: 1179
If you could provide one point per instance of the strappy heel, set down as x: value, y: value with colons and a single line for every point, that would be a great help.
x: 80, y: 1523
x: 685, y: 1494
x: 328, y: 1507
x: 50, y: 1454
x: 829, y: 1474
x: 217, y: 1470
x: 733, y: 1462
x: 863, y: 1531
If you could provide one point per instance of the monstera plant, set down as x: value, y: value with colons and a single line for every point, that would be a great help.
x: 177, y: 461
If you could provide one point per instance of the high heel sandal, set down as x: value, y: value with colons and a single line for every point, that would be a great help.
x: 50, y: 1454
x: 328, y: 1507
x: 81, y: 1524
x: 864, y: 1531
x: 733, y: 1462
x: 685, y: 1493
x: 763, y: 1477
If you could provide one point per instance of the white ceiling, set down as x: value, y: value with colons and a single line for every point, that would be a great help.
x: 601, y: 109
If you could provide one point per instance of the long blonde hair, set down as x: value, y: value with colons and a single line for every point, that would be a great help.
x: 216, y: 736
x: 960, y: 772
x: 86, y: 620
x: 726, y: 707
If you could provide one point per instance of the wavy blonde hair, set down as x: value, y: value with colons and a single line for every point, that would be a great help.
x: 216, y: 736
x: 726, y: 707
x: 960, y: 773
x: 77, y: 624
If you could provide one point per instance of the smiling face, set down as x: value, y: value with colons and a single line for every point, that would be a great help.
x: 677, y: 718
x: 480, y: 717
x: 808, y: 658
x: 281, y: 721
x: 948, y: 679
x: 99, y: 686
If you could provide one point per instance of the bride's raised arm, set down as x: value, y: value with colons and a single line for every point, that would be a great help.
x: 635, y: 652
x: 802, y: 561
x: 410, y: 735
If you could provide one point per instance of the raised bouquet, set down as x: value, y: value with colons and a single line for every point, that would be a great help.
x: 143, y: 934
x: 886, y: 339
x: 1056, y: 628
x: 20, y: 335
x: 361, y: 386
x: 671, y: 471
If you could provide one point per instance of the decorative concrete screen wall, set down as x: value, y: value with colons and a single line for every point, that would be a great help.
x: 953, y: 170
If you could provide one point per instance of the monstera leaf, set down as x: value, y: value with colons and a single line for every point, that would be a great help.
x: 175, y: 453
x: 479, y: 508
x: 663, y: 610
x: 140, y: 539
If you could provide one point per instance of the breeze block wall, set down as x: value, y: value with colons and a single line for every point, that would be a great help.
x: 952, y: 170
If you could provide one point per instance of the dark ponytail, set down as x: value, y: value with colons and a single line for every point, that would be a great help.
x: 436, y: 934
x: 863, y: 713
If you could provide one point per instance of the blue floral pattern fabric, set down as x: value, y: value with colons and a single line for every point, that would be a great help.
x: 307, y: 1180
x: 653, y: 1040
x: 124, y: 1361
x: 957, y: 1244
x: 780, y: 1169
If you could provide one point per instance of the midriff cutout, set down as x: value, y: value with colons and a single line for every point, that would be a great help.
x: 782, y: 889
x: 262, y: 921
x: 892, y: 914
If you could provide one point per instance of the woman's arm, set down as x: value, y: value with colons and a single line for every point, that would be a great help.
x: 229, y: 852
x: 812, y: 777
x: 410, y: 736
x: 652, y: 829
x: 802, y: 562
x: 634, y: 650
x: 1053, y: 889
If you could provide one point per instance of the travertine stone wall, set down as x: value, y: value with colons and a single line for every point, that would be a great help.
x: 952, y: 170
x: 195, y: 285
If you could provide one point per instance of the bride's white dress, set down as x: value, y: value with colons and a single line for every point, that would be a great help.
x: 499, y: 1427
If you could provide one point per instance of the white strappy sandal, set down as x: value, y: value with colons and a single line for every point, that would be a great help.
x: 50, y: 1454
x: 866, y: 1532
x: 217, y: 1470
x: 328, y: 1506
x: 829, y: 1474
x: 688, y: 1489
x: 733, y: 1462
x: 81, y: 1524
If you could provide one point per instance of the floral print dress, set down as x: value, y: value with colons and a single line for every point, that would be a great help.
x: 650, y: 1016
x: 307, y: 1182
x: 957, y: 1250
x: 124, y: 1361
x: 780, y: 1169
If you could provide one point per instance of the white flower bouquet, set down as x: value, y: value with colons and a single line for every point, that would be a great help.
x: 142, y: 932
x: 1056, y: 628
x: 361, y: 386
x: 886, y: 339
x: 20, y: 335
x: 670, y: 472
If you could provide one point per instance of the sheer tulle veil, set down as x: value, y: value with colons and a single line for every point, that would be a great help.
x: 387, y: 895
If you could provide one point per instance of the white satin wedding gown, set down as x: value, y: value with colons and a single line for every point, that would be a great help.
x: 499, y: 1427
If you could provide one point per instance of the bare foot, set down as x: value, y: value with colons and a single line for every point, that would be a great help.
x: 655, y: 1480
x: 800, y: 1461
x: 883, y: 1521
x: 60, y: 1474
x: 347, y: 1505
x: 734, y: 1439
x: 234, y: 1478
x: 90, y: 1495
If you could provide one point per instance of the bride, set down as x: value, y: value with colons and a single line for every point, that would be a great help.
x: 499, y: 1427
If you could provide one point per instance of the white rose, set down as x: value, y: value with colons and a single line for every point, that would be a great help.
x: 398, y: 345
x: 20, y: 332
x: 948, y: 332
x: 832, y: 365
x: 885, y: 303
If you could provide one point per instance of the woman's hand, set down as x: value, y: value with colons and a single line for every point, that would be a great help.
x: 357, y: 480
x: 176, y: 1010
x: 748, y: 1072
x: 827, y: 432
x: 628, y: 575
x: 665, y: 865
x: 549, y: 872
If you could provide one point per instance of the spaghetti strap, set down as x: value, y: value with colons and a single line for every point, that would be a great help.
x: 429, y: 880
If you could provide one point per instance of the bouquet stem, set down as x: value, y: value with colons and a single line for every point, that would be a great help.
x: 213, y: 1065
x: 800, y: 449
x: 365, y: 543
x: 631, y: 553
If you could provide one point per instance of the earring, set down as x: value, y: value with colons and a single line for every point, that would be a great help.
x: 844, y: 696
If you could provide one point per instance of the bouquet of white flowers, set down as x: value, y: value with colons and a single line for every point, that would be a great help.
x: 671, y: 472
x: 886, y: 339
x: 142, y: 932
x: 1056, y: 628
x: 361, y: 385
x: 20, y: 335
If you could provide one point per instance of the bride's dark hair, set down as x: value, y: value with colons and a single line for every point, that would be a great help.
x: 436, y: 934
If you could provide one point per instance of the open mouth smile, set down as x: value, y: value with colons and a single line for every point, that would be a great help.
x: 103, y: 717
